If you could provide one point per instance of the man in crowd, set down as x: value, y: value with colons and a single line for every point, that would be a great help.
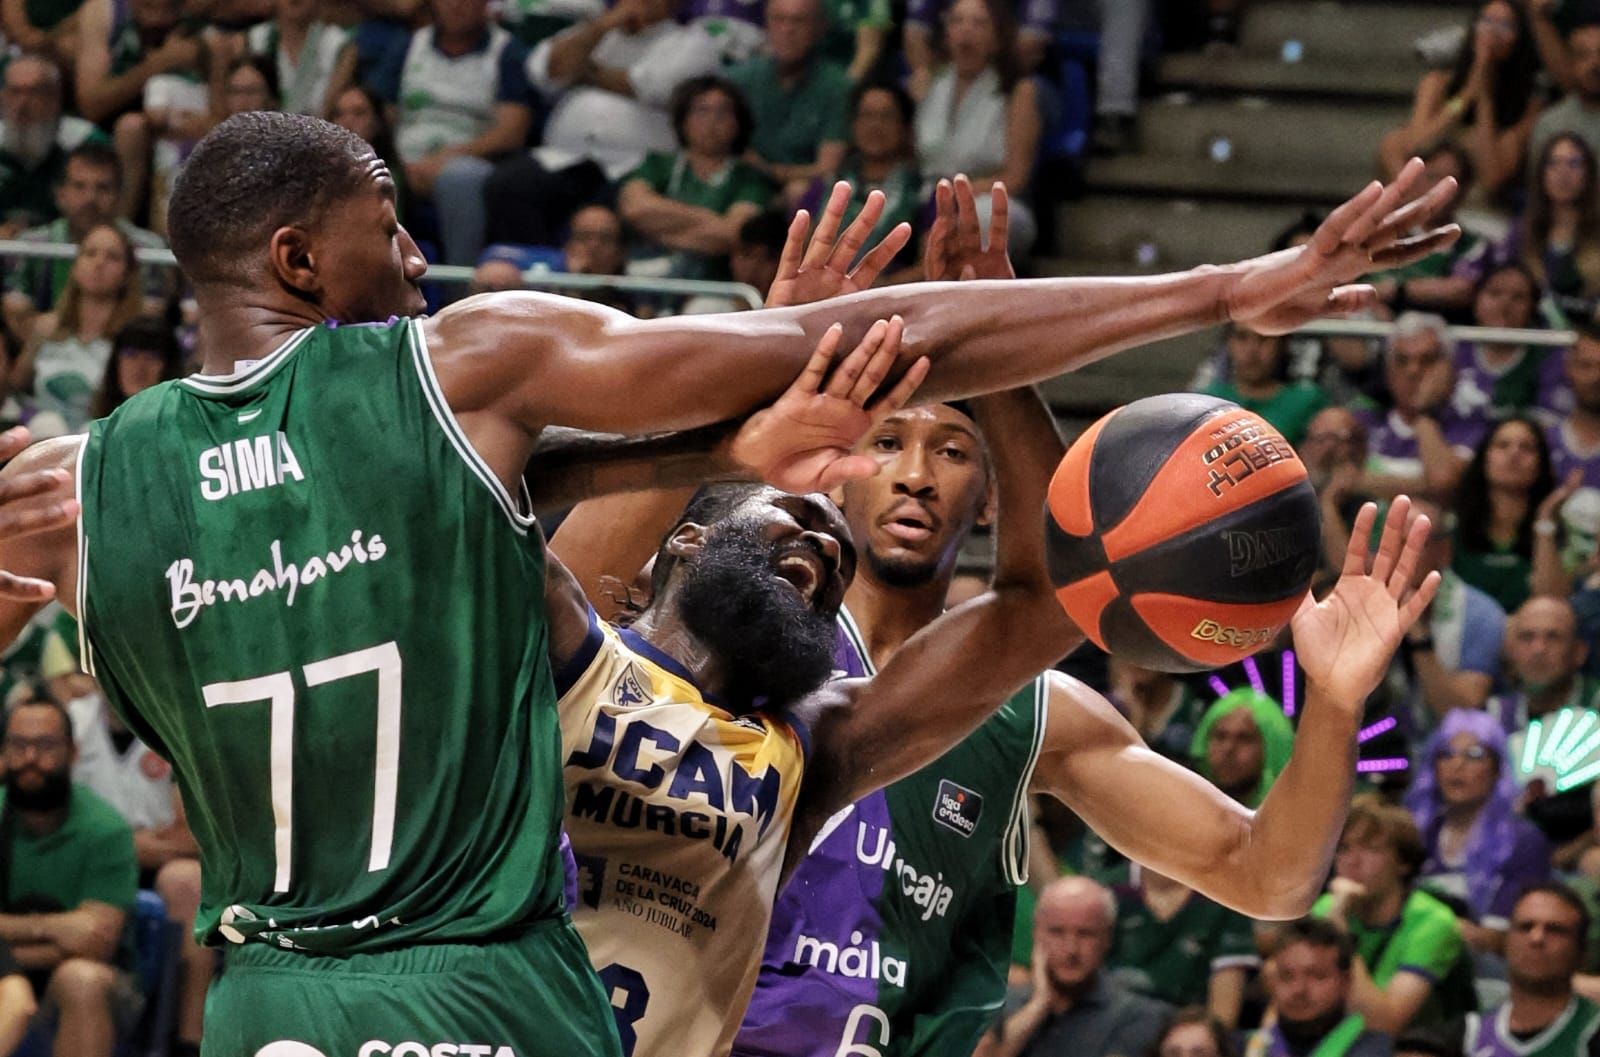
x: 69, y: 878
x: 799, y: 99
x: 464, y: 101
x: 1574, y: 440
x: 1308, y: 985
x: 1334, y: 451
x: 1578, y: 111
x: 1410, y: 958
x: 593, y: 246
x: 1420, y: 444
x: 1544, y: 657
x: 1073, y: 1010
x: 1256, y: 381
x: 1543, y: 1017
x: 35, y: 141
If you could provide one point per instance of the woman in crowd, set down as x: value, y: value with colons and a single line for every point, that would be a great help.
x: 1486, y: 102
x: 1506, y: 510
x: 1191, y: 1032
x: 359, y: 109
x: 250, y: 83
x: 312, y: 60
x: 1494, y: 379
x: 980, y: 115
x: 66, y: 356
x: 691, y: 203
x: 144, y: 353
x: 1480, y: 854
x: 1558, y: 235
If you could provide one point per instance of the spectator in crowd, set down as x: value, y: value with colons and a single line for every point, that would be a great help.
x: 1424, y: 1044
x: 17, y: 1004
x: 1175, y: 945
x: 249, y: 83
x: 980, y: 116
x: 359, y: 109
x: 1334, y: 450
x: 86, y: 198
x: 464, y: 102
x: 1192, y: 1032
x: 1558, y: 236
x: 1073, y: 1009
x: 1487, y: 102
x: 1257, y: 380
x: 1453, y: 654
x: 756, y: 250
x: 1574, y: 440
x: 1164, y: 709
x: 927, y: 29
x: 1543, y: 1018
x: 1308, y: 979
x: 1443, y: 282
x: 313, y: 60
x: 593, y: 247
x: 738, y: 26
x: 143, y: 353
x: 1579, y: 111
x: 1508, y: 488
x: 1420, y: 445
x: 881, y: 157
x: 1498, y: 379
x: 36, y: 139
x: 1544, y: 657
x: 43, y: 27
x: 612, y: 78
x: 800, y: 100
x: 70, y: 884
x: 691, y: 204
x: 1242, y: 744
x: 141, y: 72
x: 1410, y: 965
x: 856, y: 33
x: 66, y: 356
x: 1480, y: 854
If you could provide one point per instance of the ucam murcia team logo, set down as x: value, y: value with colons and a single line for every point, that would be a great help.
x: 630, y: 690
x: 957, y: 807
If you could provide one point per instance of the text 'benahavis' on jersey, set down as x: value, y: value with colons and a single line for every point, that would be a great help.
x: 893, y: 934
x: 679, y: 814
x: 302, y: 586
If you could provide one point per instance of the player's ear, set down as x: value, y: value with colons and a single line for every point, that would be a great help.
x: 686, y: 540
x: 990, y: 507
x: 293, y: 262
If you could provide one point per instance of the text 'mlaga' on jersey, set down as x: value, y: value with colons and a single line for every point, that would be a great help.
x: 246, y: 465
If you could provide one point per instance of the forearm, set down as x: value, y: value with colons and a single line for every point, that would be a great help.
x: 1225, y: 996
x: 612, y: 80
x: 713, y: 235
x: 1026, y: 448
x: 570, y: 466
x: 154, y: 848
x: 1445, y: 690
x: 570, y: 51
x: 38, y: 956
x: 502, y: 137
x: 1552, y: 50
x: 1012, y: 1035
x: 869, y: 45
x: 99, y: 98
x: 1441, y: 467
x: 660, y: 218
x: 1447, y: 293
x: 1549, y: 577
x: 64, y: 931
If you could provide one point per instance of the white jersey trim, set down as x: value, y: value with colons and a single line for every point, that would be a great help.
x: 1015, y: 849
x: 458, y: 437
x: 81, y: 588
x: 220, y: 384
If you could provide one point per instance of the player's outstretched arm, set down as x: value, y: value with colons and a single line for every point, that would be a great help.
x: 1269, y: 863
x: 529, y: 360
x: 38, y: 543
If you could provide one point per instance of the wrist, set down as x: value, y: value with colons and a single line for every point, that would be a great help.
x: 1545, y: 527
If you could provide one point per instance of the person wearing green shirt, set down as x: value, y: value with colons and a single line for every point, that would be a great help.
x: 1411, y: 966
x: 799, y: 99
x: 1308, y: 985
x: 1256, y: 382
x: 68, y: 878
x: 692, y: 203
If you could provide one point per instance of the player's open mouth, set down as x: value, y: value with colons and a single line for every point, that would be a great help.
x: 805, y: 571
x: 909, y: 523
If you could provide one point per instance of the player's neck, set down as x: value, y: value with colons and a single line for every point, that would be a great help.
x: 888, y: 616
x: 246, y: 327
x: 661, y: 630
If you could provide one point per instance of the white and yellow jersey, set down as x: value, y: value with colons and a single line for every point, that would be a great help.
x: 679, y: 813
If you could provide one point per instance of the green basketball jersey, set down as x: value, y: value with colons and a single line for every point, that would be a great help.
x: 302, y: 586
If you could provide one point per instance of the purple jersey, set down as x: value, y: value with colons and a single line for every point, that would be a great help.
x: 1392, y: 444
x: 751, y: 11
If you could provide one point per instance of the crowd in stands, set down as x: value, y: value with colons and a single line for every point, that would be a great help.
x: 667, y: 139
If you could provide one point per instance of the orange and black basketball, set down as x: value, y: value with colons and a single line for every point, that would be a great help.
x: 1182, y: 532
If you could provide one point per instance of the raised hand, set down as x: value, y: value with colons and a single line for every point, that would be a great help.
x: 805, y: 441
x: 31, y: 503
x: 820, y: 270
x: 1345, y: 642
x: 1371, y: 232
x: 953, y: 248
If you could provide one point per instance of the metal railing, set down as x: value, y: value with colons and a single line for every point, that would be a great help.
x: 1365, y: 328
x: 535, y: 278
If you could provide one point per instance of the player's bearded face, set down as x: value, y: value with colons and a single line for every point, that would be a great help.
x: 774, y: 645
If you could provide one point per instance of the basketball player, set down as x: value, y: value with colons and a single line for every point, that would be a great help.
x: 892, y: 935
x: 367, y: 474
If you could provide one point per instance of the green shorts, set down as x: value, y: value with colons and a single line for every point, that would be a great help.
x: 530, y: 996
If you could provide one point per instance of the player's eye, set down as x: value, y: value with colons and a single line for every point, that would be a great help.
x: 886, y: 444
x: 954, y: 454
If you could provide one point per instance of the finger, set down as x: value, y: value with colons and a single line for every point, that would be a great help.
x: 849, y: 468
x: 1355, y: 552
x: 13, y: 441
x: 810, y: 380
x: 968, y: 236
x: 1307, y: 604
x: 827, y: 227
x: 936, y: 252
x: 28, y: 485
x: 1404, y: 251
x: 1330, y: 233
x: 881, y: 362
x: 25, y: 588
x: 46, y: 517
x: 999, y: 219
x: 794, y: 246
x: 1344, y: 300
x: 1405, y: 569
x: 1389, y: 543
x: 1413, y: 215
x: 850, y: 369
x: 1391, y: 198
x: 855, y: 236
x: 1412, y: 608
x: 879, y: 257
x: 903, y: 391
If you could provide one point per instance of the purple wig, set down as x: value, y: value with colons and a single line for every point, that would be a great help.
x: 1494, y: 833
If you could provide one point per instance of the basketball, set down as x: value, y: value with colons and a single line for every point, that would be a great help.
x: 1182, y: 532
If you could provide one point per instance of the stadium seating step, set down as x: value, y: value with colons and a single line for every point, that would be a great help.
x: 1113, y: 234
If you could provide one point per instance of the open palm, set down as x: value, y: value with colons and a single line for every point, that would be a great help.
x: 1346, y: 641
x: 819, y: 269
